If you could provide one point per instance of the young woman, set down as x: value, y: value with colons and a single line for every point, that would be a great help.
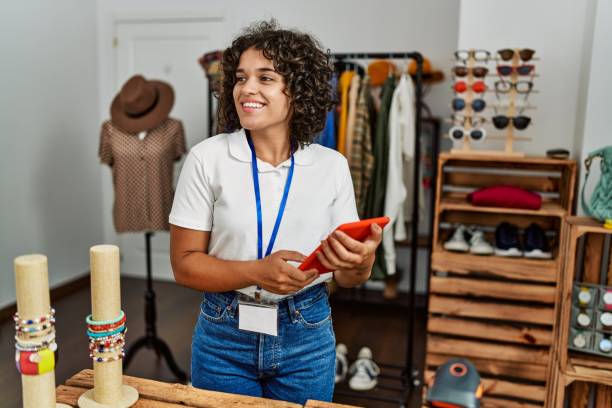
x: 249, y: 204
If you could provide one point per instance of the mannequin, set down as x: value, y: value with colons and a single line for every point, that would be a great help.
x: 141, y: 143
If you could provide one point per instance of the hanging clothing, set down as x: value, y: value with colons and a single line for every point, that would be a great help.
x: 375, y: 206
x: 142, y: 173
x: 401, y: 151
x: 361, y: 157
x: 327, y: 137
x: 350, y: 123
x: 343, y: 85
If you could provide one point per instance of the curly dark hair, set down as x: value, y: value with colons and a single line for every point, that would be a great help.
x: 305, y: 67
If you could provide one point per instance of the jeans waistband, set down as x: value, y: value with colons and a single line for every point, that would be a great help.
x: 288, y: 305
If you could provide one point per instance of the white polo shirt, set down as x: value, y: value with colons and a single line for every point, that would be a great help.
x: 215, y: 193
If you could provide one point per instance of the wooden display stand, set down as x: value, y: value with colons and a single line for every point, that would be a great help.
x: 155, y: 394
x: 32, y: 288
x: 498, y: 312
x: 108, y: 389
x: 573, y: 374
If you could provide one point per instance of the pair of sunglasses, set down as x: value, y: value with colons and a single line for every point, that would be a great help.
x: 505, y: 70
x: 478, y: 105
x: 468, y: 120
x: 478, y: 72
x: 457, y: 133
x: 462, y: 86
x: 477, y: 55
x: 518, y: 122
x: 507, y: 54
x: 522, y: 87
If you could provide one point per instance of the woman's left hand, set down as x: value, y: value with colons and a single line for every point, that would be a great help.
x: 341, y: 252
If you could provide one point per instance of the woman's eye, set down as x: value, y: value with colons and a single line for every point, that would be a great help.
x: 266, y: 78
x: 240, y: 79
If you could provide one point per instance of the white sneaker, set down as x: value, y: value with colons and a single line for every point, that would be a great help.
x: 341, y: 362
x: 364, y: 371
x: 478, y: 243
x: 458, y: 242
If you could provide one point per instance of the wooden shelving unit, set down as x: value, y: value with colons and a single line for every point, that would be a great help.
x: 574, y: 375
x: 498, y: 312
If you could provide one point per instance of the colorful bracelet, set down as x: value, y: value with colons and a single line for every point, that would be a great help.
x: 34, y: 321
x: 105, y: 334
x: 35, y: 362
x: 36, y: 336
x: 33, y: 329
x: 106, y: 359
x: 103, y: 327
x: 112, y: 338
x: 89, y: 320
x: 36, y: 347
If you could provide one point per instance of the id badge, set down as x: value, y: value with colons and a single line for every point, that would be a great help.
x: 258, y: 317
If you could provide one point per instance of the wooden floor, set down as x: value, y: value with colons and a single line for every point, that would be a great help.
x: 382, y: 327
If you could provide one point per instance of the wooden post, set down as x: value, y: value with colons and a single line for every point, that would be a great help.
x: 106, y: 305
x: 32, y: 287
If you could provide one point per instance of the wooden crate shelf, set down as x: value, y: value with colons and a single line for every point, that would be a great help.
x: 537, y: 270
x: 575, y: 375
x: 498, y: 312
x: 457, y: 203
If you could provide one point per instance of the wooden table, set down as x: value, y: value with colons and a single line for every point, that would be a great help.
x: 156, y: 394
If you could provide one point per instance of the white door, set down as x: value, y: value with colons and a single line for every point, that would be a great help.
x: 167, y: 50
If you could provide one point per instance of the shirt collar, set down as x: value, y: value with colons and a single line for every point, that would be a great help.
x: 239, y: 149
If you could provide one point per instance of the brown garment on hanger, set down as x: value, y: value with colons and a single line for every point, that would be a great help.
x: 142, y: 173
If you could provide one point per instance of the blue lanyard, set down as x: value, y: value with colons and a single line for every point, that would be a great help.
x: 281, y: 209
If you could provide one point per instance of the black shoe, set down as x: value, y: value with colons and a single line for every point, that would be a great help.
x: 507, y: 240
x: 536, y: 243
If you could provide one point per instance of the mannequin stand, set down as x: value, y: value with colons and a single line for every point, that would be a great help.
x: 150, y: 339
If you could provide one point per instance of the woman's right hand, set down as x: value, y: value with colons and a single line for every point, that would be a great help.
x: 275, y: 275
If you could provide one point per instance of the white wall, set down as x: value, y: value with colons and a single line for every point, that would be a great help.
x: 49, y: 177
x: 598, y: 120
x: 342, y: 26
x: 557, y: 30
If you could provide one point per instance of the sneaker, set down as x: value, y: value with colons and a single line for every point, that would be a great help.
x: 507, y: 240
x: 536, y: 243
x: 364, y: 371
x: 341, y: 362
x: 478, y: 244
x: 458, y: 241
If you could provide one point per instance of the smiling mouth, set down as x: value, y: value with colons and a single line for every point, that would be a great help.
x: 251, y: 106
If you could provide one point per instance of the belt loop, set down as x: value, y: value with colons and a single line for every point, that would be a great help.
x: 232, y: 307
x: 293, y: 312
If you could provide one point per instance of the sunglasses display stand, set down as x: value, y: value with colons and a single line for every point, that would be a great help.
x: 466, y: 147
x: 580, y: 365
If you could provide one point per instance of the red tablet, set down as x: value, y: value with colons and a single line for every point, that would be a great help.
x: 359, y: 230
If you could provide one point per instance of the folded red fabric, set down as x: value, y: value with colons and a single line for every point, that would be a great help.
x: 505, y: 196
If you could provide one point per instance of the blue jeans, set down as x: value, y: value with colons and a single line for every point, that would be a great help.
x: 295, y: 366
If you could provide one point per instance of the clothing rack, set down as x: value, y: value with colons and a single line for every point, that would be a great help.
x: 411, y: 375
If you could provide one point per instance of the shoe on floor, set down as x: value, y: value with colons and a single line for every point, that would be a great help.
x: 507, y: 240
x: 364, y: 371
x: 458, y: 241
x: 341, y: 363
x: 478, y: 244
x: 536, y: 243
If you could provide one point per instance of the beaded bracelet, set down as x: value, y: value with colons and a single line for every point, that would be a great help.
x: 105, y: 349
x: 33, y: 321
x: 103, y: 327
x: 33, y: 329
x: 36, y: 336
x: 89, y: 320
x: 52, y: 345
x: 105, y: 334
x: 106, y: 359
x: 109, y: 338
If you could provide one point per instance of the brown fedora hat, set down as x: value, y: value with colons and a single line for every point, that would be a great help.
x: 141, y: 104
